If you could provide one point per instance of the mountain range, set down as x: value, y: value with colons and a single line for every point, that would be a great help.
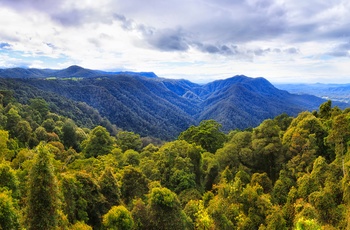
x: 152, y: 106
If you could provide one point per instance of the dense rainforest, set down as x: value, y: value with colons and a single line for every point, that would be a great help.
x: 286, y: 173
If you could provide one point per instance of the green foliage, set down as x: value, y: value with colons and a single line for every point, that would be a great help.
x: 13, y: 118
x: 74, y: 205
x: 207, y: 135
x: 39, y: 105
x: 23, y: 131
x: 131, y: 157
x: 91, y: 194
x: 69, y: 135
x: 9, y: 218
x: 99, y: 142
x: 307, y: 224
x: 129, y: 140
x: 110, y: 188
x: 8, y: 179
x: 118, y: 218
x: 80, y: 226
x: 325, y: 110
x: 4, y: 151
x: 134, y: 184
x: 267, y: 146
x: 179, y: 165
x: 165, y: 210
x: 43, y: 204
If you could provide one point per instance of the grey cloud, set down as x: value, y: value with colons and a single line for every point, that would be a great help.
x: 52, y: 46
x: 77, y: 17
x: 69, y: 18
x: 339, y: 53
x: 161, y: 39
x: 244, y: 22
x: 169, y: 40
x: 291, y: 50
x: 261, y: 52
x: 55, y: 9
x: 41, y: 5
x: 225, y: 49
x: 181, y: 40
x: 130, y: 25
x: 126, y: 24
x: 341, y: 50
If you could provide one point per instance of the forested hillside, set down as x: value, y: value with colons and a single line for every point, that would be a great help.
x: 286, y: 173
x: 152, y: 106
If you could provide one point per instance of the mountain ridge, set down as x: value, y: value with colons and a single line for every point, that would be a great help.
x: 159, y: 107
x: 69, y: 72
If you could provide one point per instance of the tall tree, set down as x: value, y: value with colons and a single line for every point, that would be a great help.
x: 13, y: 118
x: 134, y: 184
x: 165, y: 210
x: 98, y: 143
x: 129, y: 140
x: 267, y: 146
x: 118, y: 218
x: 69, y: 135
x: 207, y: 135
x: 9, y: 218
x: 39, y: 105
x: 4, y: 151
x: 42, y: 207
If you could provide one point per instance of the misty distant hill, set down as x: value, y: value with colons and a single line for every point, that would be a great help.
x: 334, y: 92
x: 153, y: 106
x: 70, y: 72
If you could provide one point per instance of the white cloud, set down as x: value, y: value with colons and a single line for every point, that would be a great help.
x: 203, y: 40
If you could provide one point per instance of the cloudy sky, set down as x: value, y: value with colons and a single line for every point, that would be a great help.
x: 199, y: 40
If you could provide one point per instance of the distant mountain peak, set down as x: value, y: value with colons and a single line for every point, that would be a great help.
x: 75, y: 68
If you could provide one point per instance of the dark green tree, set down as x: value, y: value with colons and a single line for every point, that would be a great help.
x: 39, y: 105
x: 23, y: 131
x: 13, y: 118
x: 339, y: 135
x: 129, y: 140
x: 5, y: 153
x: 109, y: 188
x: 325, y: 110
x: 131, y: 157
x: 42, y: 206
x: 267, y: 147
x: 69, y: 136
x: 207, y: 135
x: 134, y: 184
x: 98, y: 143
x: 90, y: 191
x: 74, y: 205
x: 49, y: 125
x: 165, y: 210
x: 178, y: 164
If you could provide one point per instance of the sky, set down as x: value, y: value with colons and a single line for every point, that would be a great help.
x: 284, y: 41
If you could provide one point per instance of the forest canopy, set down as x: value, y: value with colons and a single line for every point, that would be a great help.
x: 286, y: 173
